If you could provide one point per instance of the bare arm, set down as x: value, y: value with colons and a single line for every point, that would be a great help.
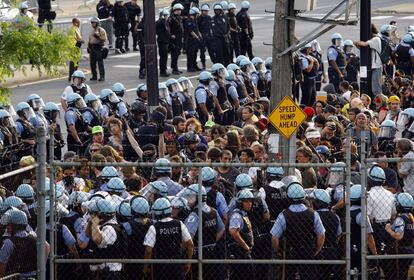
x: 371, y: 244
x: 320, y: 240
x: 134, y: 142
x: 74, y: 133
x: 147, y: 256
x: 96, y: 231
x: 275, y: 244
x: 219, y: 235
x: 235, y: 233
x: 204, y: 108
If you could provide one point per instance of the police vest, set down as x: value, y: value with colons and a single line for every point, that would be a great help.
x: 81, y: 91
x: 276, y: 199
x: 318, y: 57
x: 222, y: 94
x: 96, y: 120
x: 79, y: 124
x: 247, y: 232
x: 407, y: 240
x: 355, y: 229
x: 118, y: 250
x: 24, y: 257
x: 248, y: 83
x: 136, y: 239
x: 62, y: 250
x: 219, y: 26
x: 299, y: 230
x: 331, y: 222
x: 188, y: 104
x: 256, y: 216
x: 209, y: 98
x: 212, y: 198
x: 340, y: 58
x: 204, y: 25
x: 168, y: 242
x: 176, y: 105
x: 262, y: 85
x: 241, y: 89
x: 403, y: 54
x: 209, y: 227
x: 70, y: 222
x: 312, y: 73
x: 28, y: 130
x: 10, y: 136
x: 230, y: 98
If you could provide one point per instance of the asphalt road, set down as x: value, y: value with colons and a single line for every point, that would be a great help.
x: 124, y: 68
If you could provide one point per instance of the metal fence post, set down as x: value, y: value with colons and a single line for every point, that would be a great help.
x: 41, y: 197
x: 364, y: 267
x: 200, y: 227
x: 52, y: 228
x: 348, y: 206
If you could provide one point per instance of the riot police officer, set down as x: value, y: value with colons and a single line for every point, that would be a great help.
x: 141, y: 45
x: 386, y: 137
x: 240, y: 85
x: 213, y: 229
x: 310, y: 68
x: 51, y: 111
x: 78, y: 86
x: 37, y: 104
x: 92, y: 113
x: 337, y: 61
x: 204, y: 26
x: 246, y: 30
x: 203, y: 97
x: 180, y: 209
x: 74, y: 219
x: 134, y: 14
x: 241, y: 232
x: 247, y: 68
x: 193, y: 40
x: 8, y: 133
x: 303, y: 231
x: 233, y: 96
x: 258, y: 77
x: 220, y: 44
x: 352, y: 62
x: 164, y: 240
x: 75, y: 124
x: 176, y: 36
x: 138, y: 112
x: 26, y: 193
x: 122, y: 107
x: 121, y: 25
x: 25, y: 129
x: 234, y: 31
x: 162, y: 172
x: 405, y: 54
x: 218, y: 88
x: 109, y: 103
x: 316, y: 53
x: 189, y: 103
x: 176, y: 98
x: 163, y: 40
x: 215, y: 198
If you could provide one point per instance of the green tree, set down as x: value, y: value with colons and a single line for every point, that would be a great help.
x: 21, y: 42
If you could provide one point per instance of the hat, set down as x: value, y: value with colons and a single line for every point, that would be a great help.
x: 263, y: 99
x: 201, y: 147
x: 313, y: 134
x: 209, y: 124
x: 97, y: 129
x: 368, y: 112
x: 393, y: 99
x: 309, y: 111
x: 26, y: 161
x: 347, y: 95
x: 329, y: 109
x: 361, y: 115
x: 262, y: 124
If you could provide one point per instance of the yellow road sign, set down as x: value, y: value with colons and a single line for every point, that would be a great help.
x: 287, y: 117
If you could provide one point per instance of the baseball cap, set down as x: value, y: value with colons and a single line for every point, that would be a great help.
x: 209, y: 124
x: 393, y: 99
x: 309, y: 111
x: 97, y: 129
x: 27, y: 161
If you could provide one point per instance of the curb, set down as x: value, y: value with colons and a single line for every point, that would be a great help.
x: 394, y: 12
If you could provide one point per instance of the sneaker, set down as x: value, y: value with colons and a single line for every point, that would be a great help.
x: 118, y: 51
x: 93, y: 79
x: 123, y: 51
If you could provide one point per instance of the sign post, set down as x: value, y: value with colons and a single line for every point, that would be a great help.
x: 286, y: 118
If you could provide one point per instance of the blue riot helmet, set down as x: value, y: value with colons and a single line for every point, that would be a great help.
x: 244, y: 181
x: 405, y: 119
x: 348, y: 46
x: 321, y: 199
x: 24, y: 110
x: 185, y: 83
x: 205, y: 77
x: 355, y: 194
x: 234, y: 67
x: 162, y: 91
x: 51, y: 110
x: 219, y: 70
x: 247, y: 66
x: 161, y: 208
x: 408, y: 38
x: 123, y: 211
x: 119, y: 89
x: 268, y: 63
x: 142, y: 91
x: 194, y: 11
x: 25, y: 192
x: 208, y: 176
x: 76, y: 198
x: 295, y: 192
x: 6, y: 119
x: 385, y: 30
x: 173, y: 85
x: 376, y: 175
x: 35, y: 101
x: 388, y: 128
x: 109, y: 172
x: 162, y: 167
x: 245, y: 5
x: 74, y: 100
x: 205, y: 7
x: 60, y: 210
x: 336, y: 39
x: 93, y: 102
x: 336, y: 175
x: 242, y: 196
x: 191, y: 194
x: 154, y: 190
x: 17, y: 217
x: 274, y: 173
x: 106, y: 208
x: 217, y: 7
x: 240, y: 58
x: 405, y: 202
x: 259, y: 64
x: 79, y: 74
x: 231, y: 76
x: 139, y: 206
x: 108, y: 96
x: 225, y: 5
x: 178, y: 6
x: 116, y: 185
x: 12, y: 201
x: 180, y: 208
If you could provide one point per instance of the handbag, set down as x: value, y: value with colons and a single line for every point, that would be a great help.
x: 104, y: 52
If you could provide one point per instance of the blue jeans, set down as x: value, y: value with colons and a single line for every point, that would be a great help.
x: 376, y: 81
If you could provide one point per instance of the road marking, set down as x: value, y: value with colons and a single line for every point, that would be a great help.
x: 126, y: 66
x: 125, y: 55
x: 134, y: 89
x: 256, y: 18
x: 407, y: 17
x: 381, y: 17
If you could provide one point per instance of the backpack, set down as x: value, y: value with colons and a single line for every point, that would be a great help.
x: 297, y: 67
x: 386, y: 51
x: 176, y: 105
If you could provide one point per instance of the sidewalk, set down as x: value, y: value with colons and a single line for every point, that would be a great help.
x: 406, y: 8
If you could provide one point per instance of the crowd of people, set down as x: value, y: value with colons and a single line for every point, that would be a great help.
x: 151, y: 212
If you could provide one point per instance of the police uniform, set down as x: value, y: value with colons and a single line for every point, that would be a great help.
x: 134, y: 13
x: 276, y: 199
x: 203, y: 95
x: 299, y: 225
x: 91, y: 117
x: 165, y: 237
x: 246, y: 33
x: 39, y: 120
x: 25, y: 131
x: 308, y: 84
x: 218, y: 89
x: 216, y: 200
x: 260, y: 82
x: 403, y: 225
x: 58, y: 138
x: 234, y: 34
x: 404, y: 52
x: 83, y: 90
x: 352, y: 67
x: 212, y: 225
x: 321, y: 69
x: 141, y: 44
x: 175, y: 101
x: 74, y: 117
x: 163, y: 40
x: 176, y: 44
x: 192, y: 43
x: 121, y: 21
x: 204, y: 26
x: 95, y: 52
x: 173, y: 187
x: 336, y: 54
x: 220, y: 44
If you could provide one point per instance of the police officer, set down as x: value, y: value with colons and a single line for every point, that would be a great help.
x: 109, y: 103
x: 51, y: 111
x: 141, y: 45
x: 18, y: 252
x: 122, y: 107
x: 136, y: 230
x: 97, y: 38
x: 163, y: 40
x: 310, y: 68
x: 404, y: 54
x: 218, y: 88
x: 355, y: 198
x: 26, y: 194
x: 117, y: 187
x: 154, y: 190
x: 204, y: 26
x: 176, y: 36
x: 8, y: 133
x: 138, y: 112
x: 78, y: 86
x: 75, y: 124
x: 220, y: 44
x: 204, y: 98
x: 180, y: 208
x: 402, y: 230
x: 386, y: 137
x: 337, y: 61
x: 333, y: 231
x: 92, y: 113
x: 247, y: 68
x: 162, y: 172
x: 37, y: 104
x: 189, y: 103
x: 234, y: 31
x: 213, y: 229
x: 176, y: 98
x: 303, y: 231
x: 241, y: 232
x: 352, y: 62
x: 74, y: 219
x: 258, y: 77
x: 246, y: 30
x: 194, y: 39
x: 336, y: 181
x: 244, y: 97
x: 215, y: 198
x: 121, y: 25
x: 316, y: 53
x: 134, y: 14
x: 233, y: 96
x: 25, y: 129
x: 164, y: 240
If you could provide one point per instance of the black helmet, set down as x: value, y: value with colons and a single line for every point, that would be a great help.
x: 191, y: 137
x: 138, y: 107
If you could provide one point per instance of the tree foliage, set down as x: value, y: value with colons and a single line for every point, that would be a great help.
x: 22, y: 41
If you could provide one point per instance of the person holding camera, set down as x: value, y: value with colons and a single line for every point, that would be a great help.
x: 97, y: 39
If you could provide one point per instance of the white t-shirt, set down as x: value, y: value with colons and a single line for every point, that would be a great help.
x: 375, y: 45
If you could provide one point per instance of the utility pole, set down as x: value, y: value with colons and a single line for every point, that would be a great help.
x: 365, y: 35
x: 282, y: 83
x: 150, y: 52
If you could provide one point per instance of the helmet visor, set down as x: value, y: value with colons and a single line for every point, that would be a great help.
x: 249, y: 68
x: 260, y: 67
x: 96, y: 105
x: 8, y: 122
x: 189, y: 195
x: 163, y: 93
x: 80, y: 104
x: 402, y: 121
x: 187, y: 84
x: 222, y: 73
x: 113, y: 98
x: 38, y: 104
x: 28, y: 113
x: 176, y: 87
x: 387, y: 132
x: 335, y: 178
x: 10, y: 109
